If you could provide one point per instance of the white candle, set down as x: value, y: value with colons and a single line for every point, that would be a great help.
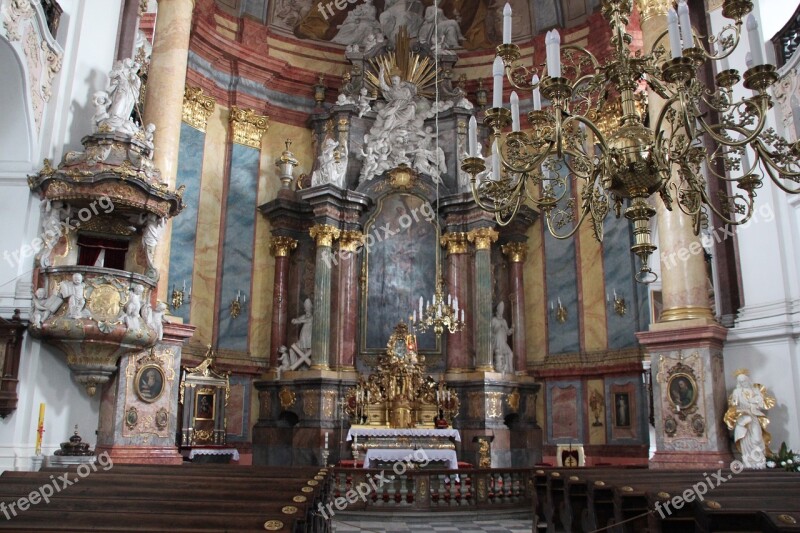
x: 473, y: 137
x: 674, y: 33
x: 537, y: 95
x: 686, y: 24
x: 507, y: 24
x: 326, y: 440
x: 420, y: 308
x: 414, y: 316
x: 462, y: 315
x: 455, y: 305
x: 553, y: 46
x: 514, y: 111
x: 497, y: 73
x: 495, y: 161
x: 755, y: 41
x: 748, y: 60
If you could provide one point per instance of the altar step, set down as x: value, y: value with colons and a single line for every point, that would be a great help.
x: 444, y: 522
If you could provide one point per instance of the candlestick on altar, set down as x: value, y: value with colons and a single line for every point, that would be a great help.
x: 40, y: 430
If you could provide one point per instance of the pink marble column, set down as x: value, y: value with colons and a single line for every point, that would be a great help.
x: 458, y: 345
x: 350, y: 243
x: 280, y: 247
x: 516, y: 252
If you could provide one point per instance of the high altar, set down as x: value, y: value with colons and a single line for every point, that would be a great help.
x: 384, y: 220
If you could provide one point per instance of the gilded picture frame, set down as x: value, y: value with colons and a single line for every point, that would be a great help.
x: 149, y: 383
x: 204, y: 404
x: 682, y: 391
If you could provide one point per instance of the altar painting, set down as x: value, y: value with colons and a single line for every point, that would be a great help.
x: 401, y: 259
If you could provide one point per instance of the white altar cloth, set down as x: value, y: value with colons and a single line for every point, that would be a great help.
x: 415, y: 456
x: 214, y: 451
x: 396, y: 432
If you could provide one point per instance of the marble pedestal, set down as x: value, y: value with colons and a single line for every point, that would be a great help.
x: 137, y: 427
x: 689, y: 396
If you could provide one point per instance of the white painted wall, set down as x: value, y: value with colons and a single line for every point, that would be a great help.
x: 87, y: 33
x: 765, y: 337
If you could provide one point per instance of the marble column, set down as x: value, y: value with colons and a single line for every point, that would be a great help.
x: 350, y: 243
x: 458, y: 345
x: 683, y: 272
x: 516, y: 253
x: 324, y: 236
x: 164, y: 102
x: 483, y: 239
x: 280, y: 248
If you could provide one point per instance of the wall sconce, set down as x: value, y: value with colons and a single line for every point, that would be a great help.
x: 319, y: 91
x: 619, y: 304
x: 178, y: 298
x: 559, y: 311
x: 237, y: 304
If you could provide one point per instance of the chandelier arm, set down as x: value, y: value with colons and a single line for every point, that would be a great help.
x: 729, y: 43
x: 747, y: 136
x: 498, y: 216
x: 771, y: 167
x: 748, y: 213
x: 516, y: 71
x: 584, y: 212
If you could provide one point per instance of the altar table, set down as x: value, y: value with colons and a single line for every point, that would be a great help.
x: 403, y: 433
x: 395, y: 455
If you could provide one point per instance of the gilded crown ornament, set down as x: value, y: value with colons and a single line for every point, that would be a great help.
x: 570, y: 146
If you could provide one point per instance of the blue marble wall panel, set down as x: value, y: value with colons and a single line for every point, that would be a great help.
x: 619, y: 265
x: 237, y: 260
x: 184, y: 226
x: 561, y: 282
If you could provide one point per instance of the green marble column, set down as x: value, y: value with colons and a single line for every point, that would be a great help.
x: 483, y: 239
x: 320, y: 329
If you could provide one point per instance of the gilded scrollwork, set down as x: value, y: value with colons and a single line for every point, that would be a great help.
x: 287, y: 398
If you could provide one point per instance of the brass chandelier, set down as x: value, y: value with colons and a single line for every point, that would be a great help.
x: 631, y: 161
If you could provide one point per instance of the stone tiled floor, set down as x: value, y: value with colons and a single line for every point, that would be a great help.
x: 399, y: 525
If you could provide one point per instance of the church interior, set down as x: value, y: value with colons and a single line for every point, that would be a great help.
x: 529, y: 253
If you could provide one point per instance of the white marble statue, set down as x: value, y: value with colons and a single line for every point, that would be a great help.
x: 398, y: 13
x: 332, y: 165
x: 503, y: 356
x: 300, y: 351
x: 428, y: 157
x: 73, y: 294
x: 364, y: 102
x: 152, y: 233
x: 360, y: 23
x: 114, y: 106
x: 133, y: 307
x: 53, y: 216
x: 439, y: 31
x: 746, y: 416
x: 343, y: 99
x: 154, y: 318
x: 40, y: 310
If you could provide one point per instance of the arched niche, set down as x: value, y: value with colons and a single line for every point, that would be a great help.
x: 16, y: 135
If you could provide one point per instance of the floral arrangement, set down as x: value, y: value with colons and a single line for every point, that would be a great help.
x: 785, y: 458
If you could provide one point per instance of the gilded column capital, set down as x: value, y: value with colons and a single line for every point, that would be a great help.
x: 653, y: 8
x: 282, y: 246
x: 516, y: 251
x: 197, y: 107
x: 324, y: 234
x: 248, y: 128
x: 456, y: 242
x: 351, y: 240
x: 483, y: 238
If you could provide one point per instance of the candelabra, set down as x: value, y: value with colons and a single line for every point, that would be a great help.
x: 438, y: 314
x: 237, y: 304
x: 620, y: 306
x: 632, y: 162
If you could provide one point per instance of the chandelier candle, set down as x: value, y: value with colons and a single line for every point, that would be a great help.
x: 755, y: 40
x: 553, y: 47
x: 674, y: 34
x: 473, y: 137
x: 537, y: 94
x: 507, y: 24
x: 497, y: 74
x: 514, y: 111
x: 686, y: 25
